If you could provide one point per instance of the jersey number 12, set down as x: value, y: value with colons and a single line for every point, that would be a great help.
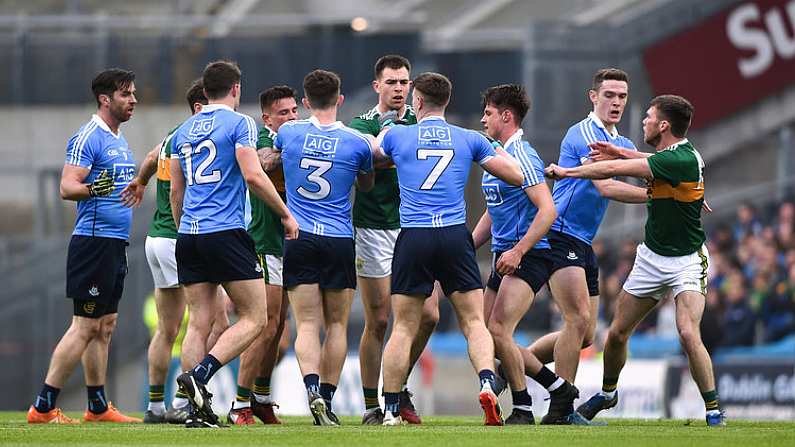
x: 200, y: 177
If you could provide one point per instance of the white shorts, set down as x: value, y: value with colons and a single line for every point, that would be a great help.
x: 162, y: 261
x: 654, y: 275
x: 274, y: 267
x: 374, y: 250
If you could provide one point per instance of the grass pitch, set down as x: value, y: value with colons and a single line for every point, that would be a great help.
x: 443, y: 431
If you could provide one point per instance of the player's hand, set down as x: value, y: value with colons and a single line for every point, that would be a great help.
x: 509, y: 262
x: 290, y: 227
x: 102, y: 186
x: 494, y: 143
x: 705, y: 206
x: 603, y: 150
x: 554, y: 172
x: 389, y: 119
x: 133, y: 193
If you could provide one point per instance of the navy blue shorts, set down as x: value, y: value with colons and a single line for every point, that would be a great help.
x: 326, y: 261
x: 535, y: 268
x: 216, y: 257
x: 425, y: 255
x: 95, y: 272
x: 568, y: 251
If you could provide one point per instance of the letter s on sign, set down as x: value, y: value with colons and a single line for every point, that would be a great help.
x: 746, y: 38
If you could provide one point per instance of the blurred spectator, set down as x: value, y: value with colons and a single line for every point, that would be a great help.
x: 778, y: 309
x: 739, y: 320
x: 711, y: 325
x: 748, y: 224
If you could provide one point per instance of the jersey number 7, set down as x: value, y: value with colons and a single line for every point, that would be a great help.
x: 445, y: 156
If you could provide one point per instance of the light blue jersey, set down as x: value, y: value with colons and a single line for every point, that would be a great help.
x: 433, y: 160
x: 215, y: 191
x: 580, y: 206
x: 320, y: 165
x: 97, y: 148
x: 510, y: 209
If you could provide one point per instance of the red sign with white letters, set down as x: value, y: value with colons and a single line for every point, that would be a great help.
x: 729, y: 61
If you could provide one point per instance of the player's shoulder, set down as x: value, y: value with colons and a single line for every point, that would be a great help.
x: 354, y: 134
x: 578, y: 131
x: 369, y: 115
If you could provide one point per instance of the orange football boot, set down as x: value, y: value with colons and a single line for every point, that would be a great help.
x: 54, y: 416
x: 111, y: 415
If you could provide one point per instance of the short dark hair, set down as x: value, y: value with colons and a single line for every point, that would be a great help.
x: 219, y: 77
x: 322, y: 88
x: 392, y: 61
x: 273, y: 94
x: 110, y: 80
x: 676, y: 110
x: 434, y: 87
x: 508, y: 96
x: 608, y: 74
x: 195, y: 94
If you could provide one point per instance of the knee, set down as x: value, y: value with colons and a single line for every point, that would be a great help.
x: 430, y: 317
x: 377, y: 327
x: 89, y: 329
x: 579, y: 321
x: 617, y: 335
x: 498, y: 330
x: 689, y: 336
x: 589, y: 336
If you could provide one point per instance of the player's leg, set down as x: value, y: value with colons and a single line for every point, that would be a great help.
x: 336, y: 310
x: 630, y: 311
x: 407, y: 314
x: 220, y: 318
x: 170, y: 303
x: 509, y: 306
x: 543, y: 348
x: 202, y: 308
x: 95, y: 365
x: 480, y: 347
x: 65, y: 357
x: 262, y: 403
x: 430, y: 317
x: 689, y: 309
x: 569, y: 290
x: 306, y: 302
x: 375, y: 293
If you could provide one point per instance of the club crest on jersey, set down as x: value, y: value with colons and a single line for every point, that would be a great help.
x: 435, y: 135
x: 320, y: 145
x: 89, y: 307
x: 201, y: 127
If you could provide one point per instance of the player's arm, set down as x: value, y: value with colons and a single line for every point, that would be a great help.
x: 259, y: 183
x: 547, y: 213
x: 620, y: 191
x: 73, y: 188
x: 603, y: 150
x: 503, y: 166
x: 133, y: 193
x: 177, y: 192
x: 482, y: 232
x: 380, y: 158
x: 269, y: 158
x: 638, y: 167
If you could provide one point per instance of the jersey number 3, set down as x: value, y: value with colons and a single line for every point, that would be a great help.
x: 200, y: 177
x: 445, y: 156
x: 316, y: 177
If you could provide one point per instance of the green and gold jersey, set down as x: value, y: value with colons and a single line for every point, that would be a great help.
x: 379, y: 208
x: 265, y: 227
x: 163, y: 221
x: 676, y: 194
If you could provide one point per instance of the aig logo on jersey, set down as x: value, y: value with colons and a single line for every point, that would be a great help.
x: 320, y: 145
x: 435, y: 135
x: 202, y: 127
x: 492, y: 193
